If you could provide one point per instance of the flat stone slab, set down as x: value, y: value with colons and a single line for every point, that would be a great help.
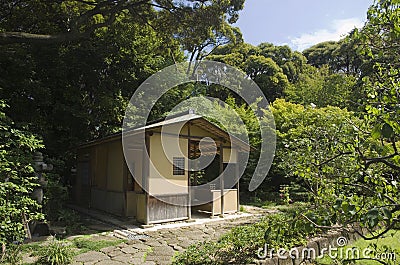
x: 148, y: 263
x: 129, y: 259
x: 158, y: 245
x: 108, y: 249
x: 141, y: 246
x: 91, y: 256
x: 130, y: 250
x: 109, y: 262
x: 138, y: 255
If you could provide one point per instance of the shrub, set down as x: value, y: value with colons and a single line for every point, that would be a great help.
x: 55, y: 197
x: 17, y: 179
x: 68, y: 217
x: 285, y: 194
x: 56, y: 253
x: 241, y: 244
x: 198, y: 254
x: 11, y: 255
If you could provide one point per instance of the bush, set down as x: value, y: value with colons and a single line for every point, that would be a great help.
x: 56, y: 253
x: 55, y: 197
x: 240, y: 245
x: 11, y: 255
x: 17, y: 179
x: 68, y: 217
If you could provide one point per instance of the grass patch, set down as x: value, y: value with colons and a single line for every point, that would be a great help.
x: 56, y: 253
x: 382, y: 249
x: 296, y: 206
x: 32, y: 247
x: 148, y: 251
x: 12, y: 255
x: 60, y: 249
x: 85, y: 244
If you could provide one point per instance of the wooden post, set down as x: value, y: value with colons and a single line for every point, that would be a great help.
x: 195, y: 171
x: 146, y: 174
x: 189, y: 210
x: 26, y: 226
x: 237, y: 177
x: 125, y: 187
x: 221, y: 180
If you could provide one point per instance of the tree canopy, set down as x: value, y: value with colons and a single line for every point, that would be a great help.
x: 69, y: 67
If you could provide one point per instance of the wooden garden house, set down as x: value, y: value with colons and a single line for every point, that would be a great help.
x: 104, y: 182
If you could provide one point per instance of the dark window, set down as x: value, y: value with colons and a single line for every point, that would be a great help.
x: 179, y: 166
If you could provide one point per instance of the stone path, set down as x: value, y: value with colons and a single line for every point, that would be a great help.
x: 161, y: 245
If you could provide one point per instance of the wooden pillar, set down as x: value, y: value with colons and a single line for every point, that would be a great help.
x: 195, y: 172
x: 125, y: 187
x: 189, y: 210
x: 237, y: 177
x: 146, y: 174
x: 221, y: 180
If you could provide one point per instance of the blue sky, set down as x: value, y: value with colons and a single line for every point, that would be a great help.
x: 300, y: 23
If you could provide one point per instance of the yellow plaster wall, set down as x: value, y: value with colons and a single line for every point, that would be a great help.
x: 115, y: 166
x: 99, y: 166
x: 162, y: 180
x: 230, y: 155
x: 136, y: 157
x: 141, y: 207
x: 131, y: 201
x: 230, y: 201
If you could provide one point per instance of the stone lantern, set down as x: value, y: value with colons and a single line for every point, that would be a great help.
x: 40, y: 167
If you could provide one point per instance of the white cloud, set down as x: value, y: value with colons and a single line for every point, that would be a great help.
x: 339, y: 29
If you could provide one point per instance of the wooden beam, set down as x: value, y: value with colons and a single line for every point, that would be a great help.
x: 125, y: 173
x: 221, y: 180
x: 189, y: 210
x: 146, y: 174
x: 187, y: 136
x: 237, y: 177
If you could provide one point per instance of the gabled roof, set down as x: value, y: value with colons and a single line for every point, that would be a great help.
x: 185, y: 117
x: 171, y: 120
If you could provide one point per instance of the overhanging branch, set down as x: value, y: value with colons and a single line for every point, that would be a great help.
x: 22, y: 37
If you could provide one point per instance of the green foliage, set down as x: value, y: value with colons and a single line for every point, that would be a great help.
x: 385, y: 249
x: 240, y: 245
x: 198, y: 254
x: 56, y: 253
x: 322, y: 88
x: 341, y: 56
x: 308, y: 135
x: 55, y: 197
x: 348, y: 161
x: 71, y: 219
x: 271, y: 67
x: 380, y: 134
x: 88, y: 244
x: 17, y: 179
x: 313, y: 147
x: 318, y: 147
x: 12, y: 255
x: 285, y: 194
